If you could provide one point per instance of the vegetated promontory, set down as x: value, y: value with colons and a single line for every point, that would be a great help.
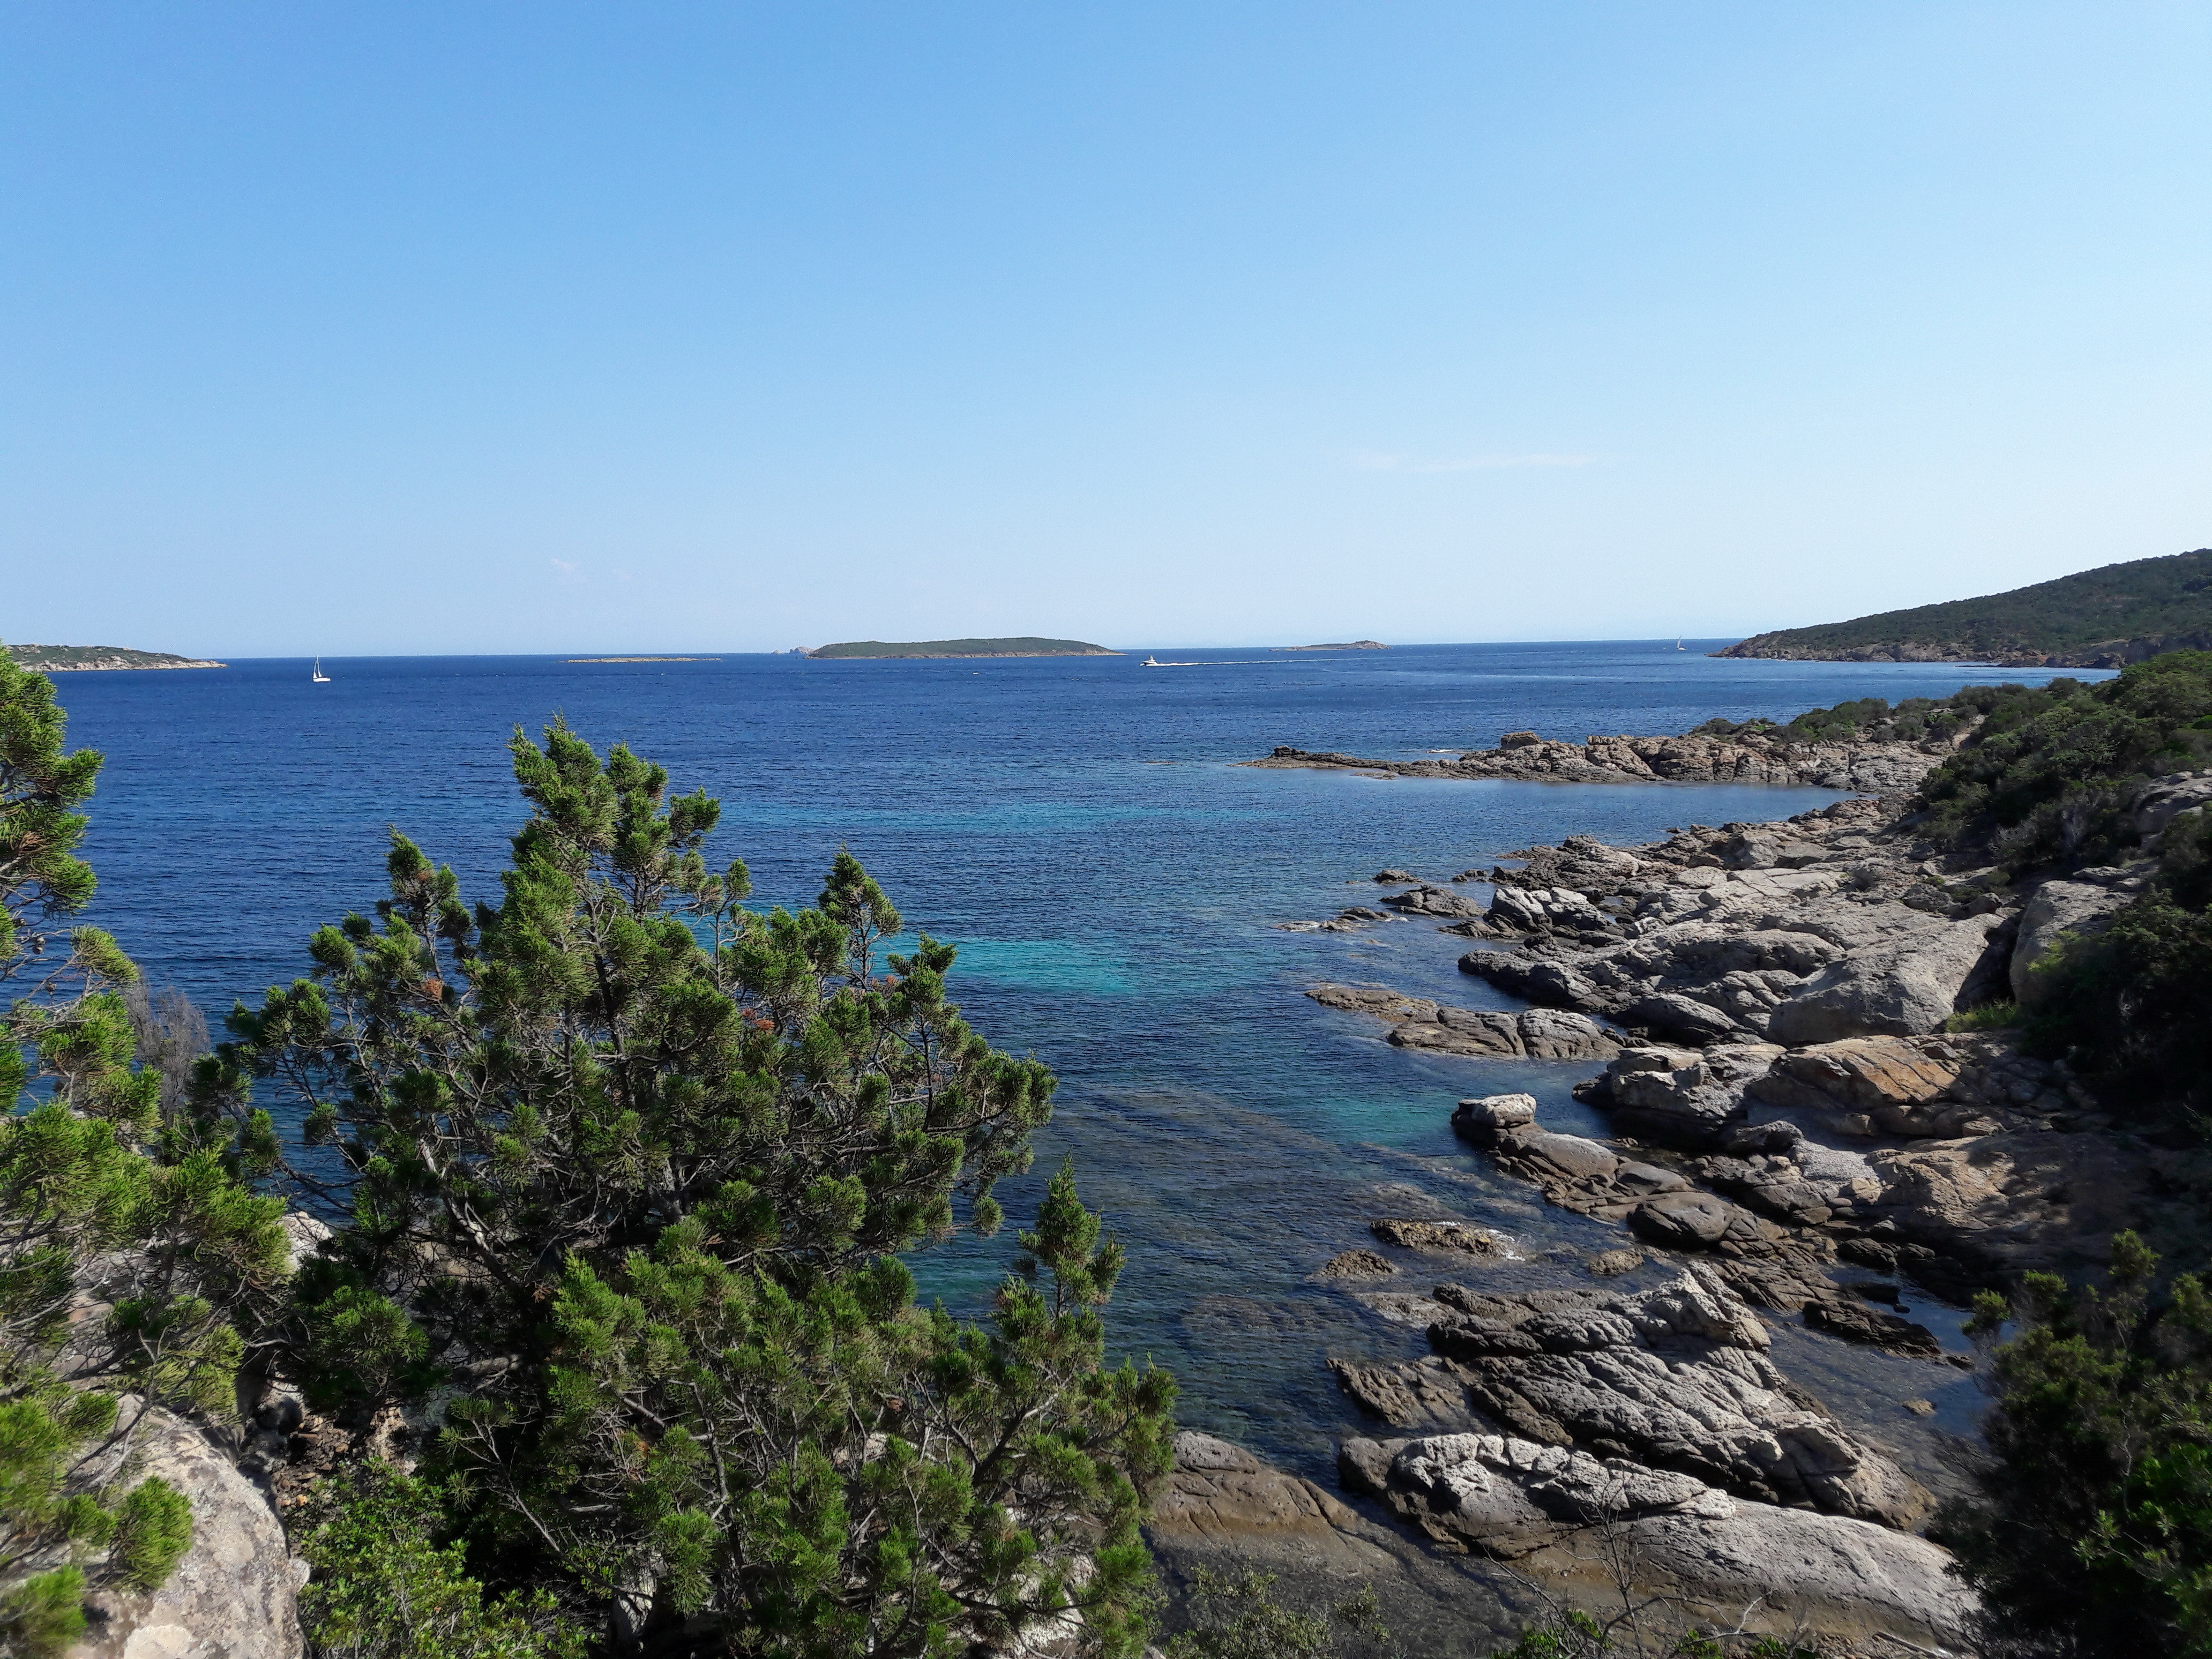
x: 2102, y: 618
x: 1023, y: 645
x: 69, y: 659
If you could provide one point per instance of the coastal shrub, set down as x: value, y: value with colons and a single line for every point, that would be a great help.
x: 2052, y: 770
x: 2094, y: 1534
x: 1844, y: 719
x: 390, y: 1582
x: 92, y: 1168
x: 1576, y: 1635
x: 1870, y: 718
x: 2131, y: 1007
x: 2050, y: 778
x: 1240, y: 1618
x: 1989, y: 1017
x: 628, y: 1171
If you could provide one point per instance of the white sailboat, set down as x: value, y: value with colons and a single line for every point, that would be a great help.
x: 320, y: 677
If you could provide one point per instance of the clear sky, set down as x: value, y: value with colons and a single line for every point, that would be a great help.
x: 394, y: 328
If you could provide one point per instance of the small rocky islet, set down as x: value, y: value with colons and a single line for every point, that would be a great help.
x: 1795, y: 1136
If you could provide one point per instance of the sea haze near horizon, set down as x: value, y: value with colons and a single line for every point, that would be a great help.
x: 1077, y: 826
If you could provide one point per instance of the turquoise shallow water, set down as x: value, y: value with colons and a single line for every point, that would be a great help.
x: 1114, y: 881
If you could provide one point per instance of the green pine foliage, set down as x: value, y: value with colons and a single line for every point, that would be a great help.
x: 630, y: 1171
x: 389, y: 1583
x: 2094, y: 1534
x: 94, y: 1175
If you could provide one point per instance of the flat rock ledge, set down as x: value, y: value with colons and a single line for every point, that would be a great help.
x: 1675, y: 1379
x: 1693, y: 758
x: 1563, y: 1519
x: 1422, y: 1024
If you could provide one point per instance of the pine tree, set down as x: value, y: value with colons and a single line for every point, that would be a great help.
x: 173, y: 1243
x: 629, y: 1169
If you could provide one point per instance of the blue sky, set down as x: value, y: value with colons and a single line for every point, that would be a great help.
x: 403, y: 328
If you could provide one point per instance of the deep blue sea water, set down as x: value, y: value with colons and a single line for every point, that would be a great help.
x: 1113, y: 880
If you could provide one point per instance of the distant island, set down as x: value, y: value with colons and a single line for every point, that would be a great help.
x: 1344, y: 645
x: 72, y: 658
x: 2102, y: 618
x: 645, y: 659
x: 1024, y: 647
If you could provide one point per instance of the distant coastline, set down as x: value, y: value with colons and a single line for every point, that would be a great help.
x: 81, y: 658
x: 2108, y: 617
x: 1020, y: 646
x: 644, y: 659
x: 1344, y: 645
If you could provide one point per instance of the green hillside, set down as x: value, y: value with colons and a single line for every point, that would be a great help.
x: 1025, y: 646
x: 66, y: 659
x: 2102, y: 618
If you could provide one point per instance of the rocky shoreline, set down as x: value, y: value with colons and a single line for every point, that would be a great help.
x: 1693, y: 757
x: 28, y: 657
x: 1796, y: 1138
x: 2105, y: 653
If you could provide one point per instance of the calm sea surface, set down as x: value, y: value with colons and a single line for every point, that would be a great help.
x: 1077, y: 826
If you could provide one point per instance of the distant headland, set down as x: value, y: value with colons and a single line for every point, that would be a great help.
x: 71, y: 659
x: 1344, y: 645
x: 2102, y: 618
x: 1024, y: 647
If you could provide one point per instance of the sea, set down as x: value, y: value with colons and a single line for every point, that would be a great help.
x: 1115, y: 884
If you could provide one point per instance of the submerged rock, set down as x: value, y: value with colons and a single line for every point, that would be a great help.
x: 1449, y: 1237
x: 1356, y: 1264
x: 1424, y: 1023
x: 1425, y: 900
